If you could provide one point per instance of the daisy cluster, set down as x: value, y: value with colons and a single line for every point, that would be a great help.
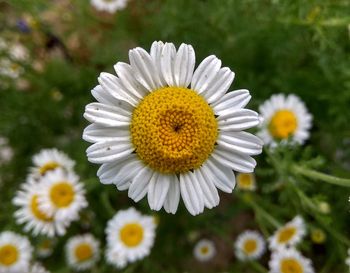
x: 51, y: 197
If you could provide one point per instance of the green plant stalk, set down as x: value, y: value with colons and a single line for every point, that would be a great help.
x: 258, y: 267
x: 315, y: 175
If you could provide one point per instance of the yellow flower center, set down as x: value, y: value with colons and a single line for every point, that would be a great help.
x: 250, y: 246
x: 245, y: 180
x: 83, y: 252
x: 286, y: 234
x: 291, y: 266
x: 8, y: 255
x: 62, y: 194
x: 204, y: 250
x: 49, y: 166
x: 131, y: 234
x: 37, y: 212
x: 173, y: 130
x: 318, y: 236
x: 283, y: 124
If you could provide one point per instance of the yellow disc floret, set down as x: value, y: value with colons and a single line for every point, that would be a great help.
x: 8, y: 255
x: 131, y: 234
x: 37, y: 212
x: 62, y: 194
x: 173, y: 130
x: 291, y: 266
x: 49, y: 166
x: 286, y: 234
x: 283, y: 124
x: 250, y: 246
x: 83, y: 252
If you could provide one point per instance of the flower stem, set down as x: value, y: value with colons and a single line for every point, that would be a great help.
x: 315, y: 175
x: 258, y: 267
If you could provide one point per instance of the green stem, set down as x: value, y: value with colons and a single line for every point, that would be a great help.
x: 107, y: 204
x: 258, y: 267
x: 321, y: 176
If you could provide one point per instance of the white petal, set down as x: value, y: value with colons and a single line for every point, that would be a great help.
x: 113, y: 86
x: 146, y: 72
x: 167, y: 63
x: 232, y: 100
x: 225, y: 179
x: 240, y: 142
x: 191, y: 193
x: 126, y: 76
x: 158, y: 190
x: 97, y: 133
x: 107, y: 115
x: 156, y: 52
x: 108, y: 171
x: 103, y: 152
x: 204, y: 73
x: 139, y: 185
x: 173, y: 197
x: 238, y: 120
x: 101, y: 95
x: 210, y: 193
x: 184, y: 65
x: 238, y: 162
x: 219, y: 85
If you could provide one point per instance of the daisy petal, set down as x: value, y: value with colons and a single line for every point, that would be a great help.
x: 139, y: 185
x: 238, y: 162
x: 191, y: 193
x: 103, y: 152
x: 158, y: 190
x: 156, y: 52
x: 225, y: 179
x: 210, y: 193
x: 233, y: 100
x: 204, y: 73
x: 238, y: 120
x: 167, y: 63
x: 107, y: 115
x: 97, y: 133
x: 184, y: 65
x: 240, y: 142
x: 173, y: 197
x: 129, y: 168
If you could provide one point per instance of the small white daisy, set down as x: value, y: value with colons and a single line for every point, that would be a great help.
x: 162, y: 129
x: 130, y: 237
x: 30, y: 214
x: 49, y: 160
x: 289, y: 261
x: 246, y: 181
x: 61, y: 195
x: 204, y: 250
x: 82, y: 252
x: 110, y: 6
x: 250, y: 245
x: 38, y: 268
x: 288, y: 235
x: 284, y: 117
x: 45, y: 248
x: 15, y: 253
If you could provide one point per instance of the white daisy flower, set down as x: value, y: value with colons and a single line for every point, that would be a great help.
x: 18, y: 52
x: 82, y: 252
x: 15, y: 253
x: 38, y: 268
x: 288, y: 235
x: 289, y: 261
x: 61, y: 195
x: 45, y: 248
x: 284, y: 117
x: 49, y: 160
x: 110, y: 6
x: 204, y: 250
x: 250, y: 245
x: 163, y: 130
x: 130, y: 237
x: 246, y: 181
x: 30, y: 214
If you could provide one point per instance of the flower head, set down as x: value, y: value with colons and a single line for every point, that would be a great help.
x: 110, y: 6
x: 246, y: 181
x: 250, y: 245
x: 289, y: 261
x: 284, y: 117
x: 204, y: 250
x: 162, y: 129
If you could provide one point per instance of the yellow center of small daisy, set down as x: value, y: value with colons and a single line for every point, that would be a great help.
x: 83, y: 252
x: 291, y: 266
x: 250, y: 246
x: 49, y: 166
x: 283, y: 124
x: 245, y: 180
x: 318, y: 236
x: 62, y: 194
x: 286, y: 234
x: 131, y: 234
x: 204, y: 250
x: 8, y: 254
x: 173, y: 130
x: 34, y: 206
